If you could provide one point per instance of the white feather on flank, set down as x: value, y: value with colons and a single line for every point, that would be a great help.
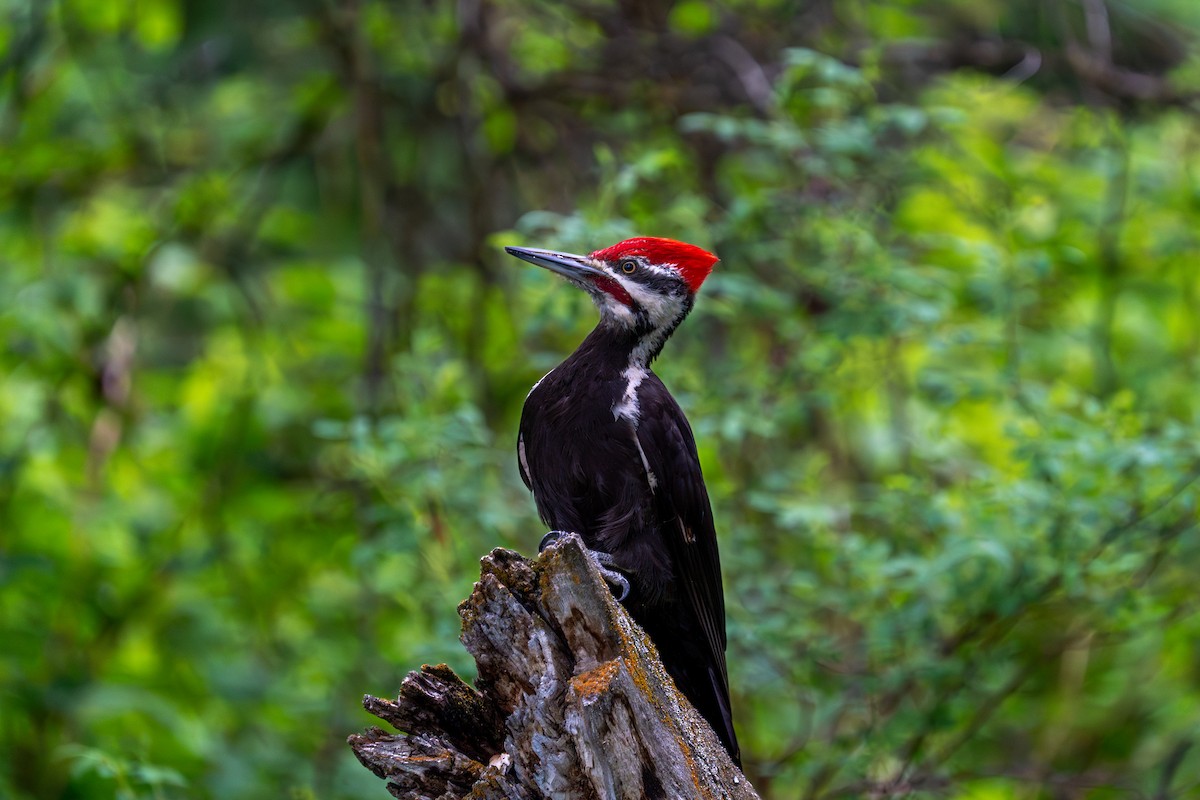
x: 521, y: 456
x: 651, y: 478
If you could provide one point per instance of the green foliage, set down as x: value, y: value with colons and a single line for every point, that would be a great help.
x: 263, y: 361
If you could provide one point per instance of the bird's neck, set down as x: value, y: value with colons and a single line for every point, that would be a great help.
x: 619, y: 360
x: 623, y: 348
x: 637, y: 340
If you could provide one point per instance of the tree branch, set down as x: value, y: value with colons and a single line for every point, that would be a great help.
x: 571, y: 701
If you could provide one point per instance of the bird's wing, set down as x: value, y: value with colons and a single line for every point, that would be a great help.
x: 522, y: 461
x: 529, y: 414
x: 669, y: 453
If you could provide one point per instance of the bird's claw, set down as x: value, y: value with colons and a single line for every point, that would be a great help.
x: 604, y: 564
x: 612, y: 576
x: 550, y: 538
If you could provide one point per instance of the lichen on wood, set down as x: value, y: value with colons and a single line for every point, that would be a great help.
x: 571, y: 701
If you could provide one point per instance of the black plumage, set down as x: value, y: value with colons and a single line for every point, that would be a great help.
x: 609, y: 454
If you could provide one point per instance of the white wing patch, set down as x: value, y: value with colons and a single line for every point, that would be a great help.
x: 651, y: 478
x: 522, y: 458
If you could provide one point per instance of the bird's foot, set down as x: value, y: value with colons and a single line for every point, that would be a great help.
x: 604, y: 562
x: 611, y: 573
x: 550, y: 538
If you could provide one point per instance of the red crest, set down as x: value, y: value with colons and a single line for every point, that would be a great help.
x: 692, y: 262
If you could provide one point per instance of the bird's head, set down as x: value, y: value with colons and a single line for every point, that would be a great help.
x: 645, y: 285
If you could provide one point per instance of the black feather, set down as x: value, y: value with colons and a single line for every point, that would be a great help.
x: 587, y: 469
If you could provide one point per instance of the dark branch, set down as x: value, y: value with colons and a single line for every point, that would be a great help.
x: 571, y: 701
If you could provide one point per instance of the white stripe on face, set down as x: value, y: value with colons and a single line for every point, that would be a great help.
x: 660, y: 310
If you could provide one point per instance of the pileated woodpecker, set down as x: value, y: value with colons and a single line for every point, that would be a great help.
x: 608, y: 454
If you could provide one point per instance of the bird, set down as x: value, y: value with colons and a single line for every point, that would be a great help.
x: 609, y: 455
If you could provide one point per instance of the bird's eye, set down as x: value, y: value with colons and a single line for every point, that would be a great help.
x: 628, y: 266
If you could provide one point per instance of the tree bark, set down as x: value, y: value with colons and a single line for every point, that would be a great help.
x: 571, y: 701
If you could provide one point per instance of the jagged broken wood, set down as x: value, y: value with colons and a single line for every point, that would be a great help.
x: 571, y: 701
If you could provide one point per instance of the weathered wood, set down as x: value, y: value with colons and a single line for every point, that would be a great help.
x: 571, y: 701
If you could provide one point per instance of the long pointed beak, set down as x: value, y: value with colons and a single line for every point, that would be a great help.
x: 577, y: 268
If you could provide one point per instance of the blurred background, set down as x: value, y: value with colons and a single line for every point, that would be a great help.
x: 262, y: 360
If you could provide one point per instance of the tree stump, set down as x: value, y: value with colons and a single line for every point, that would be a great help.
x: 571, y: 701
